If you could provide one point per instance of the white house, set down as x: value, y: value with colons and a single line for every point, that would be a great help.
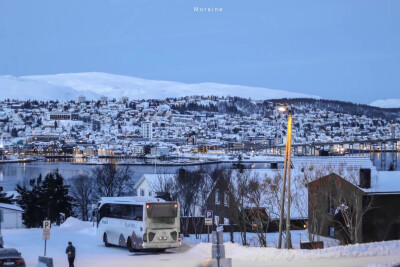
x: 147, y: 184
x: 12, y: 216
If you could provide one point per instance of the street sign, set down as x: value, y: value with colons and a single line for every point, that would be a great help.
x: 46, y: 225
x: 46, y: 234
x: 208, y: 217
x: 46, y: 230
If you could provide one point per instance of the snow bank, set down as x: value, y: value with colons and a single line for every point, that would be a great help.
x: 236, y: 251
x: 71, y: 222
x: 81, y: 227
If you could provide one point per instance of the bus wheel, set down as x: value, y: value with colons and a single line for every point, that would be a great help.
x: 105, y: 240
x: 129, y: 245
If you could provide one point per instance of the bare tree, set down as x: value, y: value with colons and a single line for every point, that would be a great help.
x: 308, y: 173
x: 350, y: 207
x: 187, y: 185
x: 256, y: 211
x: 82, y: 189
x: 239, y: 191
x: 164, y: 187
x: 112, y: 181
x: 203, y: 190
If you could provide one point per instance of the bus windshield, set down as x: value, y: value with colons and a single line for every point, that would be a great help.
x: 162, y: 210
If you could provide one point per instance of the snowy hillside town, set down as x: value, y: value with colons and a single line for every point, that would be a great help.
x: 178, y: 127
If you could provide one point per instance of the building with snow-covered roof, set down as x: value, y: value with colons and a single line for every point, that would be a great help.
x: 365, y: 210
x: 148, y: 183
x: 11, y: 216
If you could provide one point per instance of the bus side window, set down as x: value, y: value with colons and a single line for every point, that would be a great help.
x: 138, y: 213
x: 103, y: 212
x: 131, y: 212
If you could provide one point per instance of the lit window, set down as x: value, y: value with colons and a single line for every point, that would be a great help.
x: 331, y: 231
x: 226, y: 221
x: 226, y: 199
x: 217, y: 196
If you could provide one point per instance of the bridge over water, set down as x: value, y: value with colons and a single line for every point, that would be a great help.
x: 340, y: 147
x: 384, y: 153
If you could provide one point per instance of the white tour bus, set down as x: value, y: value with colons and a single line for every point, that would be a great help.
x: 138, y: 223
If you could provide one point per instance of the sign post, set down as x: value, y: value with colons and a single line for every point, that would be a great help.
x: 208, y: 220
x: 218, y: 250
x: 46, y: 233
x: 219, y: 229
x: 1, y: 220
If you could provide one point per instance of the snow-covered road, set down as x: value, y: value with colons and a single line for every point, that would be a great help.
x: 92, y: 253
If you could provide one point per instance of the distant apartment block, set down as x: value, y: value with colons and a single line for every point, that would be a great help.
x: 147, y: 129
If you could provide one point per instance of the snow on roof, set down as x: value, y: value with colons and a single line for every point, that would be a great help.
x: 345, y: 161
x: 12, y: 193
x: 387, y: 182
x: 132, y: 199
x: 10, y: 207
x: 152, y: 179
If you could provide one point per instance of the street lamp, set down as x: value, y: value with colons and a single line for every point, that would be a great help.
x: 282, y: 109
x: 286, y: 170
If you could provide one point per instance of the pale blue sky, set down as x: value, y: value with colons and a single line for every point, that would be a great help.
x: 347, y: 50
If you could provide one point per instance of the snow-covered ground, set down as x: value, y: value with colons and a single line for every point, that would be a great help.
x: 92, y: 253
x: 252, y: 239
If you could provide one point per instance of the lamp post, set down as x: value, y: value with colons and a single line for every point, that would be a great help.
x: 286, y: 171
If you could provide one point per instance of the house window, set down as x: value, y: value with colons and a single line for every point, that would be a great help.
x: 217, y: 196
x: 331, y: 207
x: 226, y: 221
x: 150, y: 193
x: 331, y: 231
x: 141, y: 192
x: 216, y: 219
x: 226, y: 199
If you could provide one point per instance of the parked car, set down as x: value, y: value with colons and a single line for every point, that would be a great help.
x: 10, y: 257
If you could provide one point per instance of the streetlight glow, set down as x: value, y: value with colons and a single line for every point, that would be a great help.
x: 282, y: 109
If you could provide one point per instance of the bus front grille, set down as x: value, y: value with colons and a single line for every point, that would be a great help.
x: 151, y: 236
x: 174, y: 235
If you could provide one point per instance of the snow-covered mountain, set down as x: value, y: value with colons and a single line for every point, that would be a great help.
x: 94, y: 84
x: 23, y: 89
x: 386, y: 103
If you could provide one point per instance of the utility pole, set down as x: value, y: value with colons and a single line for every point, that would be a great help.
x: 286, y: 171
x: 282, y: 199
x: 288, y: 166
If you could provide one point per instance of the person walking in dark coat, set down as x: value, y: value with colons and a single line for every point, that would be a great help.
x: 71, y: 254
